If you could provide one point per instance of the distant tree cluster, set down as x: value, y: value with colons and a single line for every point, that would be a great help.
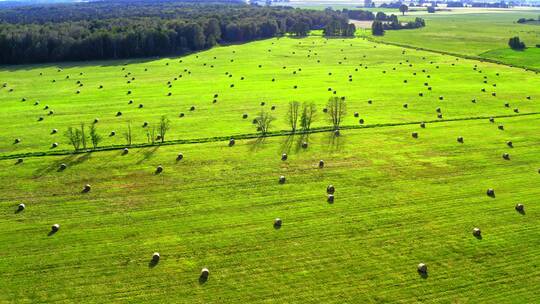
x: 516, y: 44
x: 383, y: 23
x: 529, y: 20
x: 91, y: 31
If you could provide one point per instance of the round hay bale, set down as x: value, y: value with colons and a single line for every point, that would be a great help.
x: 179, y: 157
x: 62, y: 167
x: 304, y: 145
x: 414, y: 134
x: 510, y: 144
x: 284, y: 157
x: 460, y: 139
x: 356, y: 114
x: 330, y: 189
x: 51, y: 112
x: 145, y: 124
x: 422, y: 268
x: 438, y: 110
x: 520, y: 208
x: 405, y: 105
x: 263, y: 103
x: 40, y: 118
x: 439, y: 116
x: 273, y: 108
x: 130, y: 101
x: 87, y: 188
x: 516, y: 110
x: 325, y: 110
x: 282, y: 179
x: 20, y: 160
x: 337, y: 133
x: 441, y: 97
x: 493, y: 94
x: 529, y: 97
x: 17, y: 140
x: 181, y: 115
x: 491, y: 119
x: 501, y: 127
x: 361, y: 121
x: 159, y: 169
x: 113, y: 133
x: 278, y: 222
x: 423, y: 125
x: 506, y: 105
x: 490, y: 192
x: 244, y: 116
x: 54, y: 131
x: 118, y: 113
x: 125, y: 151
x: 21, y: 207
x: 420, y: 94
x: 55, y: 227
x: 54, y: 145
x: 141, y: 106
x: 321, y: 164
x: 204, y: 274
x: 330, y: 198
x: 192, y: 108
x: 231, y: 142
x: 155, y: 257
x: 477, y: 232
x: 506, y: 156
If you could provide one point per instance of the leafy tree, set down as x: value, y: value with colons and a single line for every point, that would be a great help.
x: 128, y: 135
x: 431, y: 9
x: 94, y: 136
x: 293, y: 114
x: 164, y: 126
x: 377, y: 28
x: 336, y: 110
x: 263, y: 122
x: 516, y: 44
x: 308, y: 115
x: 74, y: 136
x: 403, y: 8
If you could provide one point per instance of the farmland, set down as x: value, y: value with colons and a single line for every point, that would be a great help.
x: 424, y: 138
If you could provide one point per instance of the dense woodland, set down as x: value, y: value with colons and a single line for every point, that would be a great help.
x: 103, y: 30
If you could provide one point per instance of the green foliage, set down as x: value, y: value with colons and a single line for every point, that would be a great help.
x: 336, y: 110
x: 94, y: 136
x: 516, y: 44
x: 377, y: 28
x: 309, y: 110
x: 164, y: 126
x: 263, y: 122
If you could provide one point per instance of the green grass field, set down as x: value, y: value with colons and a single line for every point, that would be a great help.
x: 399, y: 200
x: 481, y: 34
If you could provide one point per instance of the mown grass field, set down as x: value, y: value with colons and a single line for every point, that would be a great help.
x: 313, y: 65
x: 475, y: 33
x: 399, y: 200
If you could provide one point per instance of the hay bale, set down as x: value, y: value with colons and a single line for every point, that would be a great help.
x: 54, y: 145
x: 460, y: 139
x: 441, y: 97
x: 62, y: 167
x: 40, y: 118
x: 155, y: 257
x: 337, y: 133
x: 491, y: 119
x: 179, y: 157
x: 506, y: 156
x: 231, y: 142
x: 477, y: 232
x: 506, y: 105
x: 423, y: 125
x: 414, y: 134
x: 87, y: 188
x: 304, y: 145
x: 330, y: 198
x: 141, y: 106
x: 145, y: 124
x: 330, y: 189
x: 96, y: 120
x: 130, y: 101
x: 125, y: 151
x: 438, y: 110
x: 370, y: 101
x: 204, y: 274
x: 113, y: 133
x: 321, y: 164
x: 273, y: 108
x: 520, y: 208
x: 55, y: 227
x: 356, y: 114
x: 20, y: 160
x: 21, y: 207
x: 118, y: 114
x: 510, y: 144
x: 277, y: 222
x: 54, y: 131
x: 361, y: 121
x: 422, y: 268
x: 501, y: 127
x: 284, y: 157
x: 473, y: 100
x: 490, y: 192
x: 181, y: 115
x: 516, y: 110
x: 439, y: 116
x: 244, y: 116
x: 282, y: 179
x: 17, y: 140
x: 263, y: 103
x: 159, y: 169
x: 405, y: 105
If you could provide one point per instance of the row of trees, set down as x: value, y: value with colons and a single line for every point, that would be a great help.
x: 80, y: 139
x: 184, y: 30
x: 378, y: 27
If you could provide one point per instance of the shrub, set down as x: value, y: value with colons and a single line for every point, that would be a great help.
x: 516, y: 44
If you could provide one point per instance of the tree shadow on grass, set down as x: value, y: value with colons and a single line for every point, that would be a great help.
x: 147, y: 153
x: 153, y: 263
x: 334, y: 142
x: 423, y: 274
x: 70, y: 160
x: 303, y: 138
x: 257, y: 144
x: 287, y: 143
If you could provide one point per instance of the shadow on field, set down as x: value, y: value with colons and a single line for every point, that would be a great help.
x: 147, y: 153
x: 257, y: 144
x: 70, y: 160
x: 302, y: 138
x: 287, y: 143
x: 334, y: 142
x: 153, y: 263
x: 423, y: 275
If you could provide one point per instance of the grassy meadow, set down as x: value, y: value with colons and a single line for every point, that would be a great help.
x: 399, y: 200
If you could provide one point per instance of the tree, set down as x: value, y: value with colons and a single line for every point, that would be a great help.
x: 403, y: 8
x: 377, y: 28
x: 292, y: 114
x: 128, y: 135
x: 74, y: 136
x: 336, y: 110
x: 164, y: 126
x: 83, y: 136
x: 263, y: 122
x: 94, y: 136
x: 308, y: 115
x: 516, y: 44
